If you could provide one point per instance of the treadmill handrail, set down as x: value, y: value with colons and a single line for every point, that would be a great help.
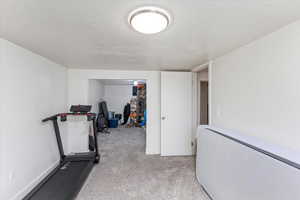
x: 54, y: 117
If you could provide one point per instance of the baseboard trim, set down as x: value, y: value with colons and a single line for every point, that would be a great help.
x: 23, y: 192
x: 206, y: 192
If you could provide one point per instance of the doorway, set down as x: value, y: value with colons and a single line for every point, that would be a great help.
x: 204, y: 103
x: 126, y: 105
x: 202, y: 97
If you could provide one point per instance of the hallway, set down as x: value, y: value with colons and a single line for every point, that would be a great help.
x: 126, y: 173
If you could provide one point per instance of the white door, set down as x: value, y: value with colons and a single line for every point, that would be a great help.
x: 176, y: 113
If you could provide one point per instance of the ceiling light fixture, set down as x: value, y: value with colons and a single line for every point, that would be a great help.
x: 149, y: 20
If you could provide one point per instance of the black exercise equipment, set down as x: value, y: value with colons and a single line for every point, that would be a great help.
x: 66, y: 180
x: 103, y: 117
x: 126, y: 113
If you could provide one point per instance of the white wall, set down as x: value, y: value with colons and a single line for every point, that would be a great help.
x: 2, y: 181
x: 32, y: 88
x: 117, y: 96
x: 78, y: 127
x: 95, y: 93
x: 78, y: 94
x: 255, y: 89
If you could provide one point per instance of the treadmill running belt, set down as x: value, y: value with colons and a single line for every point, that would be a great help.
x: 65, y: 183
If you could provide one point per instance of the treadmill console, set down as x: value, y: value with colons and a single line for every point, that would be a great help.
x: 80, y: 108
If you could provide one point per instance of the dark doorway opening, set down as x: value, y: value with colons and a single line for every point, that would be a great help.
x: 204, y: 103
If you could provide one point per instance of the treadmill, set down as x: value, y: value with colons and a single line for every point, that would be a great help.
x: 66, y: 180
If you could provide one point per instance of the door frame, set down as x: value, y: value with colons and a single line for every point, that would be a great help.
x: 196, y: 97
x: 78, y: 87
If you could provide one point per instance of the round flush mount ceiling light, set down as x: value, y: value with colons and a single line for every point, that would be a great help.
x: 149, y: 20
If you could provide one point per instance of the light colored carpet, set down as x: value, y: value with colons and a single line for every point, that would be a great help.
x: 126, y: 173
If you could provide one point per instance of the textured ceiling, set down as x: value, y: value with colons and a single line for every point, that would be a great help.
x: 95, y: 33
